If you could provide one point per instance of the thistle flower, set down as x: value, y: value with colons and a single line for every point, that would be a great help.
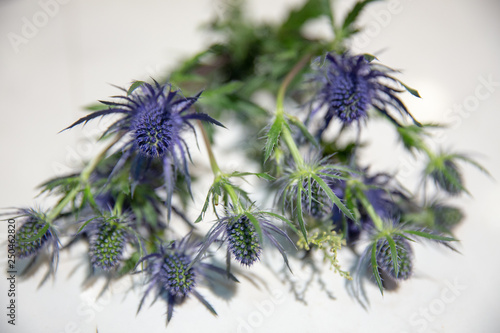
x: 389, y: 253
x: 154, y: 117
x: 240, y: 229
x: 350, y: 85
x: 174, y: 276
x: 107, y: 242
x: 28, y: 230
x: 404, y: 256
x: 447, y: 176
x: 34, y: 235
x: 443, y: 169
x: 446, y: 216
x: 380, y: 192
x: 306, y: 189
x: 243, y: 241
x: 437, y: 216
x: 316, y: 203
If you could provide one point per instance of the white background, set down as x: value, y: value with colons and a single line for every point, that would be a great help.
x: 444, y: 48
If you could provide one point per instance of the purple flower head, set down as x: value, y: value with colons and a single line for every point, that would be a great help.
x: 304, y: 186
x: 34, y: 235
x: 177, y: 278
x: 315, y: 202
x: 381, y: 193
x: 174, y: 276
x: 240, y: 230
x: 351, y: 85
x: 154, y: 118
x: 107, y: 240
x: 30, y: 229
x: 243, y: 241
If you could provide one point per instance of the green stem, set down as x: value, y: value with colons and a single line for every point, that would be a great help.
x: 286, y: 82
x: 429, y: 153
x: 216, y: 170
x: 294, y: 150
x: 60, y: 206
x: 377, y: 221
x: 280, y: 110
x: 234, y: 197
x: 211, y: 156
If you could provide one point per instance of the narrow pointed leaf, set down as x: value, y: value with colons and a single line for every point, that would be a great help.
x: 375, y: 268
x: 333, y: 197
x: 394, y: 254
x: 430, y: 236
x: 273, y: 137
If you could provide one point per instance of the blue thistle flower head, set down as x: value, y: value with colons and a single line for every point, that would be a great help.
x: 243, y: 240
x: 177, y: 278
x: 300, y: 186
x: 29, y: 229
x: 158, y: 119
x: 34, y: 235
x: 351, y: 85
x: 154, y: 117
x: 380, y: 191
x: 239, y: 228
x: 174, y: 275
x: 445, y: 216
x: 447, y: 176
x: 107, y: 241
x: 315, y: 202
x: 404, y: 254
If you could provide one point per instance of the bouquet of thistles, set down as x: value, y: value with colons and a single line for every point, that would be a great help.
x: 290, y: 107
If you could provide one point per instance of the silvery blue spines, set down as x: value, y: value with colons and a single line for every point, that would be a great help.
x: 154, y: 117
x: 351, y: 85
x: 173, y: 275
x: 240, y: 229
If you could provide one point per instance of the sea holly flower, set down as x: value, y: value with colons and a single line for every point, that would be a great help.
x: 107, y: 243
x: 244, y: 231
x: 389, y: 253
x: 154, y: 117
x: 445, y: 216
x: 379, y: 191
x: 351, y: 85
x: 385, y: 258
x: 444, y: 171
x: 243, y: 241
x: 29, y: 242
x: 317, y: 203
x: 437, y: 215
x: 108, y: 235
x: 174, y: 276
x: 447, y: 176
x: 33, y: 236
x: 304, y: 187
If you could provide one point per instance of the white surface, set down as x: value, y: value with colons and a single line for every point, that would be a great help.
x: 444, y: 48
